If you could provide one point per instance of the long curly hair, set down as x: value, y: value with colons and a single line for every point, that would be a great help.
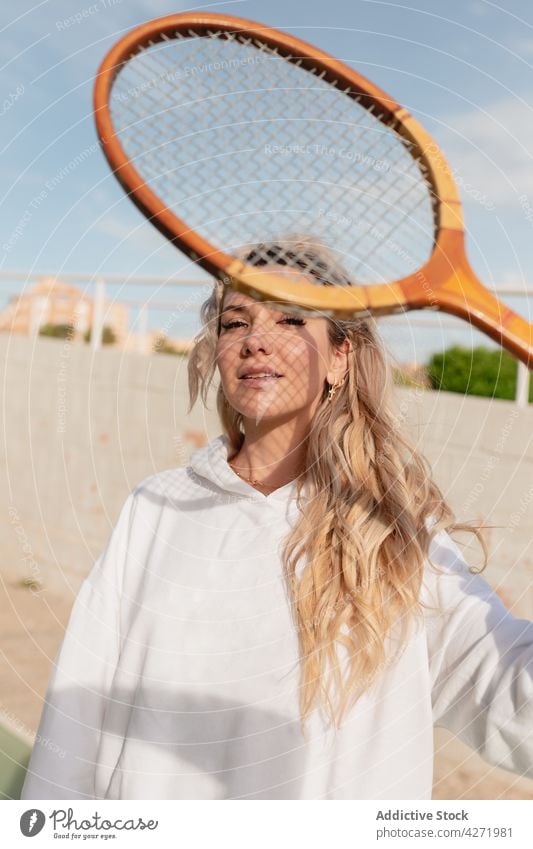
x: 354, y: 560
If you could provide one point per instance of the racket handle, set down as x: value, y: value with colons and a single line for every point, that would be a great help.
x: 497, y: 320
x: 448, y: 283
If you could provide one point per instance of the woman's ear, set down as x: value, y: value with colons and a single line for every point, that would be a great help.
x: 339, y: 362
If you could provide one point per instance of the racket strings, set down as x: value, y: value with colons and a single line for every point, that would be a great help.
x: 167, y: 73
x: 164, y: 73
x: 158, y: 166
x: 371, y: 228
x: 245, y: 146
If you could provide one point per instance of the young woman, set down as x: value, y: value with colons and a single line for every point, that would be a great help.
x: 288, y: 617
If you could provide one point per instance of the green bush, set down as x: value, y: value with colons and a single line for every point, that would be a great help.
x: 478, y: 371
x: 108, y: 335
x: 58, y: 331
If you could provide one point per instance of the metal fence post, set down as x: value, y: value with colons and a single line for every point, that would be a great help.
x: 98, y: 315
x: 522, y: 385
x: 142, y: 330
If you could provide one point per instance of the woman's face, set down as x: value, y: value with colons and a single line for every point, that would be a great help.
x: 272, y: 364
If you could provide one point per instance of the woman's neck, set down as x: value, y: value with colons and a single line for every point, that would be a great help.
x: 272, y: 456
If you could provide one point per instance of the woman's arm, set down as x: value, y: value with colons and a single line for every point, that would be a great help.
x: 481, y: 663
x: 83, y: 670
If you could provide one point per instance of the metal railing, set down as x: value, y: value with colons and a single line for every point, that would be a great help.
x: 142, y: 306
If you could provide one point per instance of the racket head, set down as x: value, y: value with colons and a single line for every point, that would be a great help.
x: 175, y: 136
x: 246, y: 42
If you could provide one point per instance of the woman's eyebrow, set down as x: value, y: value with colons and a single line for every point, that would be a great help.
x: 275, y: 309
x: 235, y: 308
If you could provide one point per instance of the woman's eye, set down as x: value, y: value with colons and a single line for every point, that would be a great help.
x: 232, y: 324
x: 289, y: 319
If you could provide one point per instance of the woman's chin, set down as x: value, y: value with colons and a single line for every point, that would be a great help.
x: 272, y: 415
x: 258, y: 412
x: 271, y: 406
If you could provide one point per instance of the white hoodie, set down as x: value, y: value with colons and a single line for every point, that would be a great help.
x: 178, y: 674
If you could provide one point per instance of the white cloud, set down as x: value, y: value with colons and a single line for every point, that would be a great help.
x: 524, y: 47
x: 478, y: 8
x: 515, y: 280
x: 492, y: 149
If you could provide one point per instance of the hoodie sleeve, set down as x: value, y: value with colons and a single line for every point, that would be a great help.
x: 82, y: 673
x: 481, y: 664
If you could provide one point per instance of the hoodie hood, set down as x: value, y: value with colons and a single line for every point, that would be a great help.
x: 211, y: 463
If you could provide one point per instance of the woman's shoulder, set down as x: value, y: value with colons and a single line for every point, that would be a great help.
x: 170, y: 484
x: 444, y: 557
x: 449, y: 578
x: 206, y: 472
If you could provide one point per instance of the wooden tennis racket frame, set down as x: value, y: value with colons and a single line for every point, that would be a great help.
x: 445, y: 282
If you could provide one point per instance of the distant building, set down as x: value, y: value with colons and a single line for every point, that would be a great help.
x: 50, y: 301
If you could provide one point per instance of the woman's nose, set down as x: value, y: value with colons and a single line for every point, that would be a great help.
x: 257, y: 341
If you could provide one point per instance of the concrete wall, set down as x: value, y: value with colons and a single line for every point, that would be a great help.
x: 82, y: 429
x: 481, y: 453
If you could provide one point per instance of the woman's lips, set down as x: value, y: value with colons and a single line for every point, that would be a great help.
x: 257, y: 382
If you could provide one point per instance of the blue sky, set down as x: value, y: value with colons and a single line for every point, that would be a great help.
x: 465, y: 69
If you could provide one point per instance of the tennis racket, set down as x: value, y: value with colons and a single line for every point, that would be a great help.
x: 227, y: 134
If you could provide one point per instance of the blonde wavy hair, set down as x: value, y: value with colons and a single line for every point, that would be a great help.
x: 362, y: 532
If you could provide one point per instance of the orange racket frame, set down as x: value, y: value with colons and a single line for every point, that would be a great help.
x: 445, y: 282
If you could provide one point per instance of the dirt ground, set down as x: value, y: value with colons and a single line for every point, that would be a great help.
x: 32, y: 622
